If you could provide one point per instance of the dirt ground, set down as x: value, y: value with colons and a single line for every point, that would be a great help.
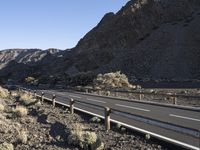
x: 48, y: 128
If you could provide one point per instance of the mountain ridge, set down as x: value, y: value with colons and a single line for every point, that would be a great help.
x: 146, y: 40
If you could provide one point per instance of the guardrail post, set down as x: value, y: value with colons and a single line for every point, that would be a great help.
x: 86, y: 90
x: 42, y: 97
x: 34, y: 93
x: 140, y: 96
x: 107, y: 118
x: 72, y: 106
x: 116, y: 94
x: 175, y: 99
x: 99, y: 92
x: 54, y: 100
x: 29, y: 91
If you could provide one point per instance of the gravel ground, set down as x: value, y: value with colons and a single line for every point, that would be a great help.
x: 48, y: 128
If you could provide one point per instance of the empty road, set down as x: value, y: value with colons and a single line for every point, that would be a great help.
x: 178, y: 125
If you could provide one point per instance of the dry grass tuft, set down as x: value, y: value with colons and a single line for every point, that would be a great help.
x: 84, y: 139
x: 75, y: 137
x: 20, y: 111
x: 95, y: 120
x: 3, y: 92
x: 6, y: 146
x: 2, y: 107
x: 14, y: 94
x: 22, y: 136
x: 27, y: 99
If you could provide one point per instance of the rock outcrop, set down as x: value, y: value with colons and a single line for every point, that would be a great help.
x: 155, y: 39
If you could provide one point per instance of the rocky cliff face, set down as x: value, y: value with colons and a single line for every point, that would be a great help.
x: 146, y: 39
x: 157, y: 39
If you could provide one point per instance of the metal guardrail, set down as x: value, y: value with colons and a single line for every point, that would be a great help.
x: 171, y: 97
x: 108, y: 111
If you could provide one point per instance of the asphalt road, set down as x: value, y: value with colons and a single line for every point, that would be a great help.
x: 173, y: 124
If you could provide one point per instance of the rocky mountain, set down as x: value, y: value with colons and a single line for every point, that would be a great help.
x: 17, y: 64
x: 24, y: 56
x: 146, y: 39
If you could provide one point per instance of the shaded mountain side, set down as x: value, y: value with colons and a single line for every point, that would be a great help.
x: 50, y: 64
x: 146, y: 39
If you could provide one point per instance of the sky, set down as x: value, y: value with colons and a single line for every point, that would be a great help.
x: 50, y: 23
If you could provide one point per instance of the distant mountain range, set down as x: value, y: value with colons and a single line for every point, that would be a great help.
x: 146, y: 39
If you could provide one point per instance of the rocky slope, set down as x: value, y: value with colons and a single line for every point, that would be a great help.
x: 17, y: 64
x: 146, y: 39
x: 24, y: 56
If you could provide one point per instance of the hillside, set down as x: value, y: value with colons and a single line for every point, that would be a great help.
x: 146, y: 39
x: 24, y: 56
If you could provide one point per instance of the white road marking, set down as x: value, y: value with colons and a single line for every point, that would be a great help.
x: 142, y: 130
x: 188, y: 118
x: 74, y: 96
x: 95, y: 100
x: 132, y: 107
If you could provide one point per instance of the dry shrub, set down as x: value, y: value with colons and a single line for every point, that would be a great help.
x: 90, y: 138
x: 20, y: 111
x: 75, y: 137
x: 6, y: 146
x: 1, y: 108
x: 15, y: 94
x: 3, y: 92
x: 22, y: 136
x: 27, y: 99
x: 31, y: 81
x: 95, y: 120
x: 112, y: 80
x: 84, y: 139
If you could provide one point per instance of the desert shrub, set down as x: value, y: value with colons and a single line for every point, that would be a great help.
x: 14, y: 94
x: 3, y: 92
x: 31, y: 81
x: 112, y: 80
x: 20, y: 111
x: 75, y: 137
x: 147, y: 136
x: 89, y: 138
x: 84, y: 139
x: 6, y: 146
x: 95, y: 120
x: 118, y: 126
x: 123, y: 129
x: 22, y: 136
x: 1, y: 107
x: 27, y: 99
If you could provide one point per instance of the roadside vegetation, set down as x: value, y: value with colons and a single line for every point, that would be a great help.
x: 112, y: 80
x: 42, y: 127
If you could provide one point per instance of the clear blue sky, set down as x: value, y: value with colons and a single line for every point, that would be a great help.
x: 50, y: 23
